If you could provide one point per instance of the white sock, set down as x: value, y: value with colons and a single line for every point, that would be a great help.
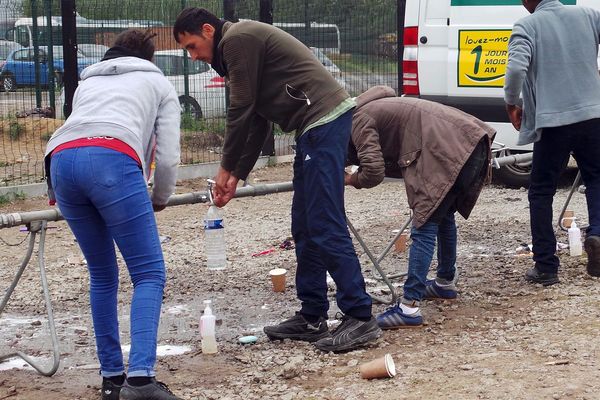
x: 443, y: 283
x: 408, y: 310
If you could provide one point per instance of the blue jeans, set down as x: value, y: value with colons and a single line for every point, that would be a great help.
x: 103, y: 196
x: 441, y: 225
x: 421, y: 253
x: 550, y: 154
x: 319, y: 227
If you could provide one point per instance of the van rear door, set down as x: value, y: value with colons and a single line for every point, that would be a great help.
x: 433, y: 47
x: 478, y: 53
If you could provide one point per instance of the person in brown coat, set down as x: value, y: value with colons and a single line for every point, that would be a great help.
x: 443, y: 154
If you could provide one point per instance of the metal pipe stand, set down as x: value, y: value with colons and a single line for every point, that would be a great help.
x: 377, y: 260
x: 574, y: 187
x: 35, y: 228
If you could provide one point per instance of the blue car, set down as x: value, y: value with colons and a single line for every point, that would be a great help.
x: 19, y: 68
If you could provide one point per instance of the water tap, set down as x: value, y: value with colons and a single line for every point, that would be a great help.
x: 209, y: 186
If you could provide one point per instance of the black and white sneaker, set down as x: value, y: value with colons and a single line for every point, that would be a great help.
x: 350, y: 334
x: 298, y: 328
x: 110, y: 390
x: 155, y: 390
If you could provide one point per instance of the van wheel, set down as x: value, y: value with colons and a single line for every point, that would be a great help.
x: 513, y: 175
x: 9, y: 84
x: 190, y: 107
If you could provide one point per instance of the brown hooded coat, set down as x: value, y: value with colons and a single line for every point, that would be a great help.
x: 425, y: 143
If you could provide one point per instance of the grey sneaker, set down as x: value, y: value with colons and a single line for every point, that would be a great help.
x: 350, y: 334
x: 155, y: 390
x: 298, y: 328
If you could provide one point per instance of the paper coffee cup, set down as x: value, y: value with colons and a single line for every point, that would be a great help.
x: 278, y: 279
x: 568, y: 218
x: 382, y: 367
x: 400, y: 245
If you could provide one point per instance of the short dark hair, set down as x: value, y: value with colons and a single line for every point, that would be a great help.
x: 191, y: 20
x: 137, y: 41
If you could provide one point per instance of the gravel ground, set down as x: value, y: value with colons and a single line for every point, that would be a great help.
x: 501, y: 339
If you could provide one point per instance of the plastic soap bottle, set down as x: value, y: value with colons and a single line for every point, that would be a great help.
x: 207, y: 330
x: 575, y: 248
x: 214, y: 239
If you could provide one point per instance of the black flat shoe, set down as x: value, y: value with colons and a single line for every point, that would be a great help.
x: 545, y: 278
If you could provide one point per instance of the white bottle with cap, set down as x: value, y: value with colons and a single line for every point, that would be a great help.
x: 575, y: 248
x: 207, y: 330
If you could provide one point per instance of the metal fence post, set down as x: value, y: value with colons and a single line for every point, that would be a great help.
x: 36, y: 53
x: 69, y: 41
x: 186, y: 69
x: 229, y: 15
x: 266, y: 16
x: 400, y: 12
x: 50, y: 54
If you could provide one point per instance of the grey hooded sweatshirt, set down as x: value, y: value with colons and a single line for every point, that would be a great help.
x: 129, y: 99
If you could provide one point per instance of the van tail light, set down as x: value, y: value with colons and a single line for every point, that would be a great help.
x: 216, y: 82
x: 410, y: 71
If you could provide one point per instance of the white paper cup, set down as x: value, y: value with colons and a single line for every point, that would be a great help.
x: 382, y: 367
x: 278, y: 279
x: 568, y: 218
x: 401, y: 243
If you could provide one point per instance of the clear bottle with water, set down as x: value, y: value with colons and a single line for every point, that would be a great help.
x: 214, y: 239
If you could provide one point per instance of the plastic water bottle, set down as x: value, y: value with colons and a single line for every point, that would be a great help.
x: 214, y: 239
x: 207, y: 330
x: 575, y: 248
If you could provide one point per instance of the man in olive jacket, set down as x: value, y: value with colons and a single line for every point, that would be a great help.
x: 274, y: 77
x: 443, y: 155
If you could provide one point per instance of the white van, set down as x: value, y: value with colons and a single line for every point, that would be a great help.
x: 455, y: 53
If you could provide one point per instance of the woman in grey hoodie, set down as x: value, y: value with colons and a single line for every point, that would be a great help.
x: 125, y: 116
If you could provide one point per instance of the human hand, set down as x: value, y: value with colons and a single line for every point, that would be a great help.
x: 515, y: 114
x: 347, y: 179
x: 158, y: 207
x: 224, y: 188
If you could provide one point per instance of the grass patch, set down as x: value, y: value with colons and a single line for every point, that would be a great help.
x: 11, y: 126
x: 214, y: 125
x: 10, y: 197
x: 15, y: 129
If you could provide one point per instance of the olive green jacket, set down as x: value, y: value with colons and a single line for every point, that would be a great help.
x: 272, y: 77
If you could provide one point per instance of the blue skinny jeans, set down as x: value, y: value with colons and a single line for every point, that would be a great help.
x: 441, y: 226
x: 421, y: 254
x: 103, y: 196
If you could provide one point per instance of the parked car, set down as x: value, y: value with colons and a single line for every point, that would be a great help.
x: 329, y: 66
x: 19, y: 68
x: 93, y: 51
x: 206, y: 97
x: 6, y: 47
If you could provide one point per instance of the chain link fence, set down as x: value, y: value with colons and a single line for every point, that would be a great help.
x: 355, y: 41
